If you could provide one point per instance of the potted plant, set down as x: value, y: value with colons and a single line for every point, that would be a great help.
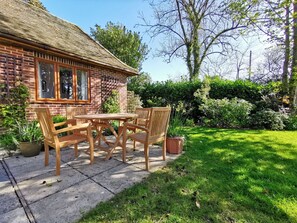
x: 28, y: 137
x: 174, y: 139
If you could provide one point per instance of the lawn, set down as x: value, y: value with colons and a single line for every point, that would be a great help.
x: 224, y: 176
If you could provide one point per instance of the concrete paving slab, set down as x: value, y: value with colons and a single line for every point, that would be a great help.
x: 100, y: 165
x: 3, y: 176
x: 15, y: 216
x: 70, y: 204
x: 8, y: 198
x: 23, y: 168
x: 79, y: 188
x: 136, y: 157
x: 47, y: 184
x: 120, y: 177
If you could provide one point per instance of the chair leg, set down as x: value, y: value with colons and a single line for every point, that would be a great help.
x: 124, y: 146
x: 46, y: 153
x: 58, y: 160
x: 91, y: 143
x: 75, y: 150
x: 134, y: 142
x: 164, y: 149
x: 146, y: 155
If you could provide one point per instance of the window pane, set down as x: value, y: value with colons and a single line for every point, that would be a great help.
x: 66, y: 83
x: 46, y: 78
x: 82, y: 85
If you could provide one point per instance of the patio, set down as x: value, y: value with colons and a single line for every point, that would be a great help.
x: 31, y: 192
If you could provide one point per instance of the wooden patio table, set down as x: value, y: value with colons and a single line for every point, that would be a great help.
x: 103, y: 121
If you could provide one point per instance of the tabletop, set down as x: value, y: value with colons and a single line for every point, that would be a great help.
x: 108, y: 116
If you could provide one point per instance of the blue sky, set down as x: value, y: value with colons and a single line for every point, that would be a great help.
x: 87, y: 13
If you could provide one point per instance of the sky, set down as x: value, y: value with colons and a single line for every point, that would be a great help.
x: 87, y: 13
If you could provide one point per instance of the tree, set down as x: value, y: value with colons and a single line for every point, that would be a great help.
x: 136, y: 83
x: 123, y: 43
x: 192, y: 29
x: 293, y: 80
x: 36, y: 3
x: 278, y: 20
x: 271, y: 68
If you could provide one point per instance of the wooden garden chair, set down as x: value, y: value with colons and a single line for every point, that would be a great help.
x: 142, y: 119
x: 154, y: 132
x: 52, y: 138
x: 71, y: 112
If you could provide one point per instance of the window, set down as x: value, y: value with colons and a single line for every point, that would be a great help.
x: 82, y: 85
x: 60, y: 83
x: 66, y: 83
x: 46, y: 78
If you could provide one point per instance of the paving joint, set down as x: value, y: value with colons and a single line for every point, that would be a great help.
x: 19, y: 194
x: 90, y: 178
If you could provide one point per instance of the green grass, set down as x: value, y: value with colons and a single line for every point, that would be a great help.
x: 224, y: 176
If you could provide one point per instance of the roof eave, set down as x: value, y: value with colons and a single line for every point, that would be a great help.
x: 44, y: 47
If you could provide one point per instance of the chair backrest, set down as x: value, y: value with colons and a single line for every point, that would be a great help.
x: 158, y: 122
x: 71, y: 112
x: 143, y: 116
x: 46, y: 123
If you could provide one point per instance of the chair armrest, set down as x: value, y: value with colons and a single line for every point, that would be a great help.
x: 60, y: 124
x: 127, y: 124
x: 75, y: 127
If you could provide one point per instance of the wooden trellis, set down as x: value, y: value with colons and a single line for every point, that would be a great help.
x: 107, y: 85
x: 11, y: 71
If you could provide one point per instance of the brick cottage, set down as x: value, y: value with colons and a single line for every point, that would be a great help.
x: 61, y: 65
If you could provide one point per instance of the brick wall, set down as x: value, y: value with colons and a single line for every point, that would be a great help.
x: 26, y: 73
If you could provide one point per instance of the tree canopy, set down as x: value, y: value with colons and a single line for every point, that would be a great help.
x: 123, y: 43
x: 192, y: 29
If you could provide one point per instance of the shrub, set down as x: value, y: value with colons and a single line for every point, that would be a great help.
x: 7, y: 142
x: 112, y: 103
x: 189, y: 122
x: 291, y: 122
x: 226, y: 113
x: 13, y: 106
x: 268, y: 119
x: 59, y: 118
x: 170, y: 93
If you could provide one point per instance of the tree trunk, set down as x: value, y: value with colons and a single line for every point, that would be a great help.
x: 285, y: 82
x: 188, y: 61
x: 293, y: 81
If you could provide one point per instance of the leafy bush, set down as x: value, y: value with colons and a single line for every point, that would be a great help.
x: 268, y: 119
x: 112, y: 103
x: 7, y: 141
x: 59, y: 118
x: 189, y: 122
x: 291, y: 122
x: 171, y: 93
x: 270, y: 101
x: 226, y: 113
x: 13, y: 106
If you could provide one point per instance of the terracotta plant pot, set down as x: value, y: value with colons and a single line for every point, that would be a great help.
x: 29, y: 149
x: 174, y: 145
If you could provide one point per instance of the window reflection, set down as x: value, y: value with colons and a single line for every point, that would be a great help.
x: 46, y: 80
x: 66, y: 83
x: 82, y: 85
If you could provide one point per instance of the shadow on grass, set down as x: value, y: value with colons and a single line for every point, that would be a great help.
x: 224, y: 176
